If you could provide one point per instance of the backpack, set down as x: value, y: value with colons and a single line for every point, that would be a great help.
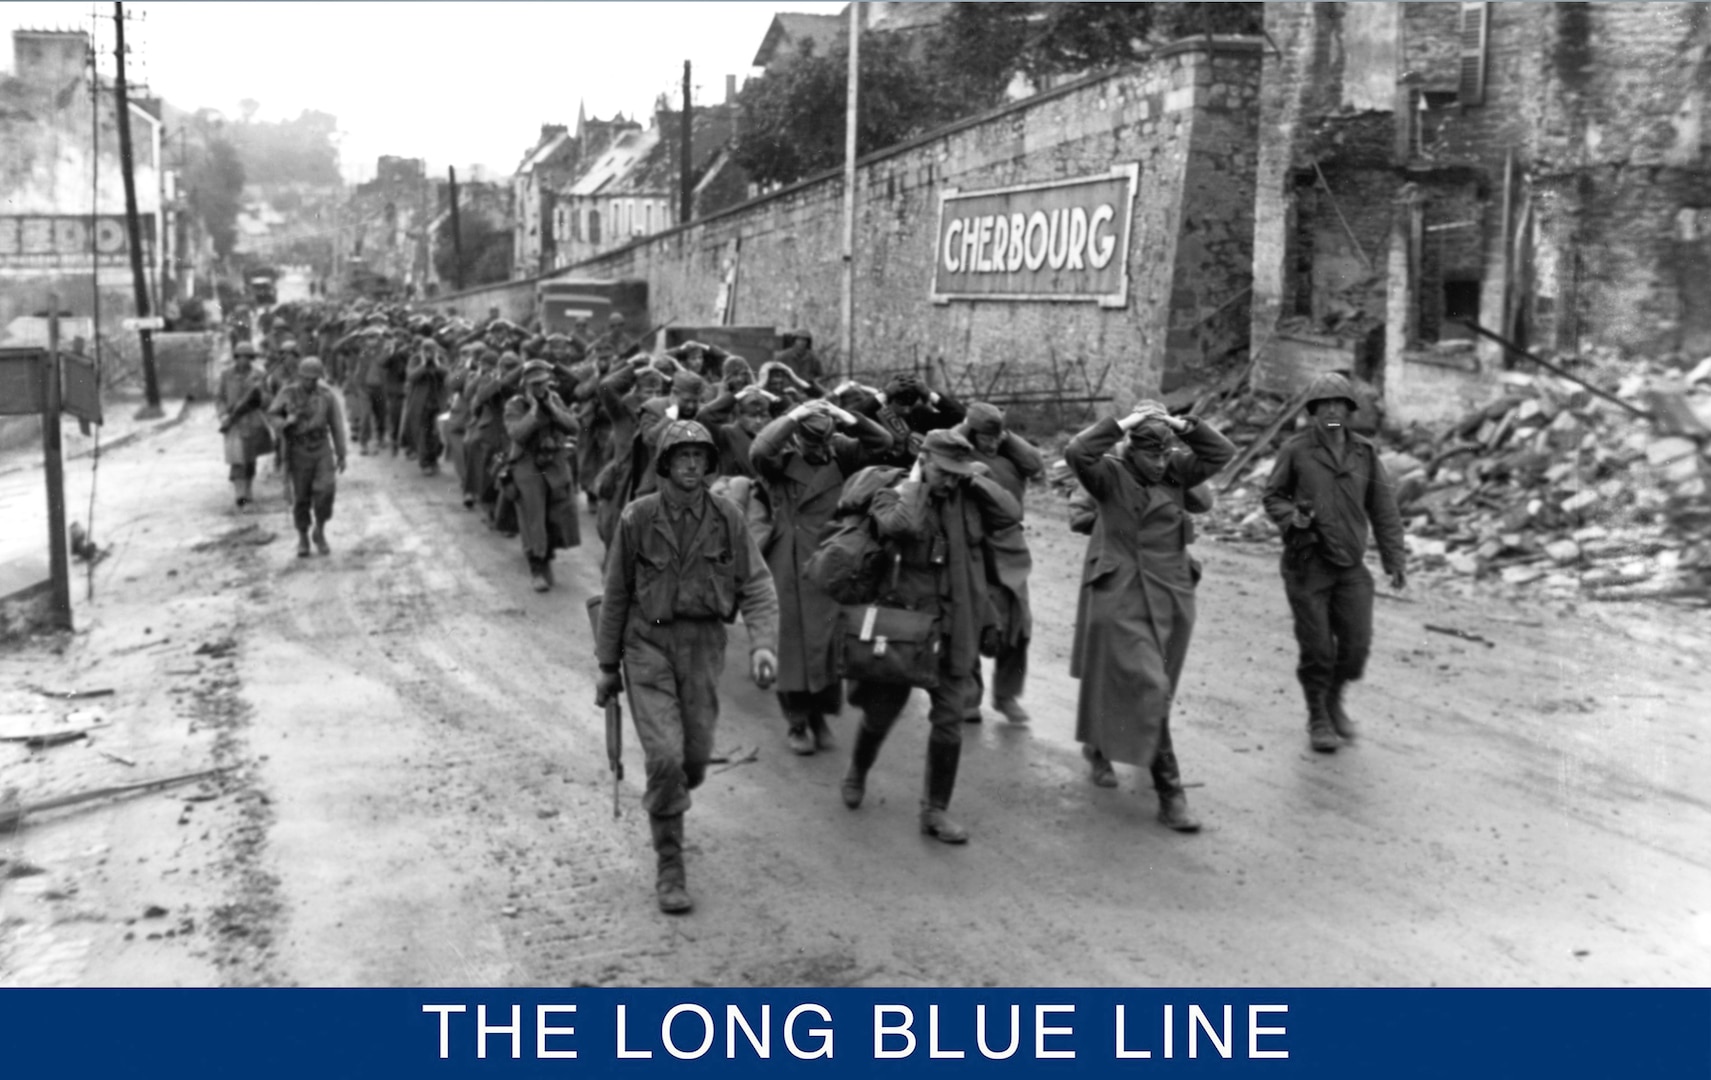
x: 850, y: 562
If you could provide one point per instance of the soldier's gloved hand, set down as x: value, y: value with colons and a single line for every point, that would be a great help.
x: 1399, y: 579
x: 763, y: 666
x: 607, y: 687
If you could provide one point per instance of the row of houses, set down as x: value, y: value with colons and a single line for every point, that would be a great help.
x: 583, y: 192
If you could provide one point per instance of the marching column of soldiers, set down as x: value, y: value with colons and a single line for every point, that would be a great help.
x: 871, y: 539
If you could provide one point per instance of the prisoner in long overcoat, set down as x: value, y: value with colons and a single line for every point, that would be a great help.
x: 803, y: 495
x: 1135, y: 613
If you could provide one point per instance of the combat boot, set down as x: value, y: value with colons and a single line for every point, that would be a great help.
x: 1173, y: 812
x: 320, y: 538
x: 942, y: 761
x: 797, y: 737
x: 1340, y: 721
x: 1320, y: 734
x: 302, y: 543
x: 238, y: 493
x: 862, y: 756
x: 1011, y: 709
x: 822, y: 732
x: 538, y: 574
x: 1102, y: 774
x: 671, y: 885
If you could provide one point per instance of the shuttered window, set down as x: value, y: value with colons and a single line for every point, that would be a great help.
x: 1475, y: 22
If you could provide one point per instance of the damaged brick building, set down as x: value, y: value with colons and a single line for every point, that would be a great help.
x: 1539, y: 170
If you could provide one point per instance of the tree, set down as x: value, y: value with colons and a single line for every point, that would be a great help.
x: 793, y: 120
x: 216, y: 189
x: 913, y: 81
x: 291, y: 151
x: 486, y: 251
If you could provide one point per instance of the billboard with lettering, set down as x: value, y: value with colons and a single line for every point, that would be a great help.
x: 1058, y: 240
x: 68, y: 241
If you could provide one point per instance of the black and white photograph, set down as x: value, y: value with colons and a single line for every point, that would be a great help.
x: 481, y: 484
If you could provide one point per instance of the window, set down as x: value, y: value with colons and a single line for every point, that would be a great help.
x: 593, y: 225
x: 1475, y: 24
x: 1461, y: 309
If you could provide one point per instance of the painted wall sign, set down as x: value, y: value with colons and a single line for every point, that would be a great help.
x: 1060, y: 240
x: 67, y: 241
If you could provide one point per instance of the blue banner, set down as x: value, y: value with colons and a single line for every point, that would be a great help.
x: 947, y: 1034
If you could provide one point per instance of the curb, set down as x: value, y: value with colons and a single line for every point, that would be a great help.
x: 124, y: 440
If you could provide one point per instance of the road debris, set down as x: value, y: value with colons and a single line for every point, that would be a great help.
x: 733, y: 758
x: 1549, y: 487
x: 1463, y: 634
x: 12, y: 814
x: 70, y: 695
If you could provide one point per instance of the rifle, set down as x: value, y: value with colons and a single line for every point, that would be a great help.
x: 614, y: 719
x: 250, y: 403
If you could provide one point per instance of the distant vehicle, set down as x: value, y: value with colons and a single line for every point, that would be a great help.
x: 564, y: 302
x: 263, y: 287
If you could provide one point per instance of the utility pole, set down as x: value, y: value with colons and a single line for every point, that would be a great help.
x: 847, y: 342
x: 133, y: 228
x: 457, y: 233
x: 53, y: 462
x: 686, y: 189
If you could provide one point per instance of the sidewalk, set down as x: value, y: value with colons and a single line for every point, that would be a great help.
x: 23, y: 485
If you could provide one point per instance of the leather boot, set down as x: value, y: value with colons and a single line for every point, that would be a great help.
x: 671, y: 885
x: 862, y: 756
x: 238, y: 493
x: 796, y: 736
x: 302, y: 543
x: 942, y: 759
x: 538, y: 574
x: 320, y: 538
x: 1340, y: 721
x: 822, y: 731
x: 248, y: 495
x: 1100, y: 770
x: 1173, y: 810
x: 1319, y: 731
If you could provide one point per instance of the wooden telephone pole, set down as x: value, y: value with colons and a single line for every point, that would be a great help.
x: 133, y: 227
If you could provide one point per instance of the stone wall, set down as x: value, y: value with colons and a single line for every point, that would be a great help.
x: 1186, y: 116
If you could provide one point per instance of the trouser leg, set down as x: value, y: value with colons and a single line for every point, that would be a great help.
x: 1349, y: 617
x: 1010, y: 672
x: 1309, y: 592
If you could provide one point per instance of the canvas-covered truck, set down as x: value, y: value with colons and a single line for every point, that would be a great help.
x: 564, y: 302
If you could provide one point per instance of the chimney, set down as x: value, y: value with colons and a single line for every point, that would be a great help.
x: 730, y: 89
x: 49, y: 58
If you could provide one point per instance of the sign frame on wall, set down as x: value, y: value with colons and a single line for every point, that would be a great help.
x: 69, y: 241
x: 991, y: 211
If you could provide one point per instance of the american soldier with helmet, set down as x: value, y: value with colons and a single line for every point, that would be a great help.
x: 681, y: 565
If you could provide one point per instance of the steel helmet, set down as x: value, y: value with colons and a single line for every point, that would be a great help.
x: 678, y: 434
x: 243, y: 348
x: 1329, y: 385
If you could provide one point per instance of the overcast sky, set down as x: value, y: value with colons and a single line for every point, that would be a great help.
x: 457, y: 82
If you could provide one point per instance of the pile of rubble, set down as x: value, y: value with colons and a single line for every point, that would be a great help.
x: 1551, y: 486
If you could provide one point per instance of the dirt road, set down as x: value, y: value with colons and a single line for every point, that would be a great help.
x: 421, y: 797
